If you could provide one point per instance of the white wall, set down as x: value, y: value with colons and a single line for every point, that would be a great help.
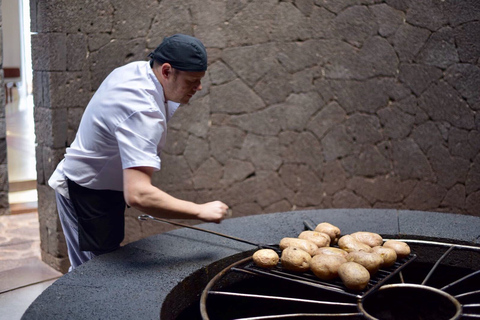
x: 12, y: 56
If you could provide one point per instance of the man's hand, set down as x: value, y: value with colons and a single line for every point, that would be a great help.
x: 214, y: 211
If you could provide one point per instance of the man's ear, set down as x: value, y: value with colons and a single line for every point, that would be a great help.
x: 166, y: 70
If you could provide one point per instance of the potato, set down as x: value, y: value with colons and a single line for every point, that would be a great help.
x: 330, y: 229
x: 321, y: 239
x: 305, y: 245
x: 401, y: 248
x: 326, y: 266
x: 266, y: 258
x: 371, y: 261
x: 295, y: 259
x: 388, y: 254
x: 349, y: 244
x: 370, y: 238
x: 332, y: 251
x: 353, y: 275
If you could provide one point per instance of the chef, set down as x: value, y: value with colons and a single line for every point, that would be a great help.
x: 117, y: 149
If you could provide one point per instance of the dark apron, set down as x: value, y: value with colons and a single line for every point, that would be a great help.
x: 101, y: 217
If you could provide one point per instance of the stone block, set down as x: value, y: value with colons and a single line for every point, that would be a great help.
x: 425, y: 196
x: 3, y: 151
x: 251, y: 63
x: 76, y: 51
x: 67, y: 89
x: 126, y: 21
x: 290, y: 24
x: 439, y: 50
x: 364, y: 129
x: 209, y: 22
x: 107, y: 58
x: 171, y: 17
x: 236, y: 171
x: 234, y: 98
x: 176, y: 142
x: 50, y: 52
x: 348, y: 199
x: 337, y: 143
x: 473, y: 204
x: 461, y: 11
x: 443, y: 103
x: 252, y: 24
x: 51, y: 127
x: 4, y: 177
x: 455, y: 197
x: 465, y: 78
x: 196, y: 152
x: 408, y: 40
x: 334, y: 177
x: 428, y: 14
x: 354, y: 24
x: 320, y: 21
x: 396, y: 124
x: 418, y: 77
x: 262, y: 151
x: 208, y: 175
x: 220, y: 73
x: 275, y: 86
x: 74, y: 118
x: 466, y: 39
x: 388, y: 18
x: 384, y: 189
x: 225, y: 142
x: 327, y: 118
x: 369, y: 162
x: 194, y: 118
x: 463, y: 143
x: 473, y: 177
x: 409, y: 162
x: 3, y: 128
x: 92, y: 16
x: 175, y: 174
x: 427, y: 135
x: 304, y: 149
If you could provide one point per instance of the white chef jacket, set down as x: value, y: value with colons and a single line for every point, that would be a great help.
x: 123, y: 126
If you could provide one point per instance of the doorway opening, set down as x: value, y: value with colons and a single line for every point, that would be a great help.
x: 20, y: 126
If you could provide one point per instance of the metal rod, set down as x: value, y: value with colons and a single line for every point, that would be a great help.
x: 442, y: 244
x: 471, y: 305
x: 460, y: 280
x: 145, y: 217
x: 302, y: 315
x: 470, y: 315
x: 467, y: 294
x: 248, y: 295
x: 437, y: 263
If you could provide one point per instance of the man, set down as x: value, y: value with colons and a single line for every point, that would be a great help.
x: 116, y: 150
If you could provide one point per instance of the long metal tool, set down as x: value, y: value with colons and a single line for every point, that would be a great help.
x: 145, y: 217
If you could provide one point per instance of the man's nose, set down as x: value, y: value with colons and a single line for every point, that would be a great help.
x: 199, y: 87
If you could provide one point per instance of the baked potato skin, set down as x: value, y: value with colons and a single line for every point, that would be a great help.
x: 305, y: 245
x: 388, y: 255
x: 328, y: 228
x: 371, y: 261
x: 353, y: 275
x: 265, y: 258
x: 349, y: 244
x: 401, y: 248
x: 321, y: 239
x: 369, y: 238
x: 295, y: 259
x: 326, y: 266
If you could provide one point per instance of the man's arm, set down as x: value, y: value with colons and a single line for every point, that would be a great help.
x: 142, y: 195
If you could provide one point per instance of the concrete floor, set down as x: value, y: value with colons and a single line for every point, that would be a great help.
x: 23, y: 276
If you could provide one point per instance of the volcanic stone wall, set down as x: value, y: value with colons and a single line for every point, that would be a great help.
x: 306, y: 103
x: 4, y: 205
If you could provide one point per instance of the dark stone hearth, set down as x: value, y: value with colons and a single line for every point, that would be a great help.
x: 133, y: 282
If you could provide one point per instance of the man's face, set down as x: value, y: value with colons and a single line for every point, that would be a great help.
x: 183, y: 85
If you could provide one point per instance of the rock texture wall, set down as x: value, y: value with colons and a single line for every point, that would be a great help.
x: 4, y: 205
x: 306, y: 103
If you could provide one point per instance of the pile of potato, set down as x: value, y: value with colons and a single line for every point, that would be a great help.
x: 354, y: 258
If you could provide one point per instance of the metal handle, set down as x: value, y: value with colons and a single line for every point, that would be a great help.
x: 145, y: 217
